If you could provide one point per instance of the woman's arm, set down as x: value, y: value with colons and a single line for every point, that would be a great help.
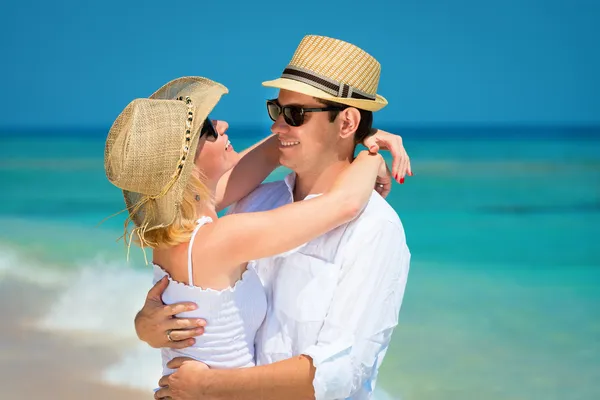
x: 256, y: 163
x: 248, y: 236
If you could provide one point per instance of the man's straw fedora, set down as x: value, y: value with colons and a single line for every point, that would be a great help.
x: 334, y: 70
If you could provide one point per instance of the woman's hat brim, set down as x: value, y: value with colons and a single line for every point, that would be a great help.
x: 301, y: 87
x: 147, y: 154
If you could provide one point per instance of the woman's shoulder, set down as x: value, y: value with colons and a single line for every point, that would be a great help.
x: 171, y: 261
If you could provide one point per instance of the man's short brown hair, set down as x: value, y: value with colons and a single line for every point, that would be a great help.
x: 365, y: 125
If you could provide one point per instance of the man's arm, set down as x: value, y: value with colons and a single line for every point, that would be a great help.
x: 364, y: 312
x: 352, y: 343
x: 289, y: 379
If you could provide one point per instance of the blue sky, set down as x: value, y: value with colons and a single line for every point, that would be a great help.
x: 69, y: 63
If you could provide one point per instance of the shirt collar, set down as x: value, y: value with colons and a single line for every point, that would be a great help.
x: 290, y: 182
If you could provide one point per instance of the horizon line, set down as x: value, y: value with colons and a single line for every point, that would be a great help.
x: 403, y: 125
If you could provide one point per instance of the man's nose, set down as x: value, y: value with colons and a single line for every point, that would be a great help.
x: 279, y: 126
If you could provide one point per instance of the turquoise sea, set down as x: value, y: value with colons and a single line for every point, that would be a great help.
x: 503, y: 296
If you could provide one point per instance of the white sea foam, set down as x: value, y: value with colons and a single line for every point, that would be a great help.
x: 102, y: 298
x: 139, y: 368
x: 15, y: 265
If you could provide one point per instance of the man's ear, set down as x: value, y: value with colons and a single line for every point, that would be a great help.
x: 349, y: 120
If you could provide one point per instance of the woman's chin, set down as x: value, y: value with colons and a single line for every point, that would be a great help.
x: 234, y: 157
x: 231, y: 163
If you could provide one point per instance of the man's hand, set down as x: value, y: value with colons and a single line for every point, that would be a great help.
x: 187, y: 383
x: 156, y: 322
x: 386, y: 141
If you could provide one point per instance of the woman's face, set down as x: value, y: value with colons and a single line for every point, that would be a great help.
x: 216, y: 158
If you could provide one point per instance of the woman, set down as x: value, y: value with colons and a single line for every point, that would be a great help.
x: 172, y: 165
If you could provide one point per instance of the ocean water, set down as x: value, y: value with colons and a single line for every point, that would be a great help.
x: 503, y: 297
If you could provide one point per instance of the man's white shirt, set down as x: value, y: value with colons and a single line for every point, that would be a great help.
x: 335, y: 298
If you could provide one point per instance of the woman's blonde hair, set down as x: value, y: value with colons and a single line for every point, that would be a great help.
x: 180, y: 231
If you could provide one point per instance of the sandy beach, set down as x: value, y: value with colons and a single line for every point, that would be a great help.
x: 41, y: 365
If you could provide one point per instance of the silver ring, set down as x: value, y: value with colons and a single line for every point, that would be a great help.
x: 380, y: 185
x: 169, y: 335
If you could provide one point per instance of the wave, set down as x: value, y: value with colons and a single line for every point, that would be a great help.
x: 139, y: 368
x: 101, y: 298
x: 15, y: 265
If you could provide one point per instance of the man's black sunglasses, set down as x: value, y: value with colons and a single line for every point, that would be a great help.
x: 209, y: 130
x: 293, y: 115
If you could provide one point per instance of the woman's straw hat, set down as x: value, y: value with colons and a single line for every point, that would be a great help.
x: 334, y: 70
x: 151, y: 147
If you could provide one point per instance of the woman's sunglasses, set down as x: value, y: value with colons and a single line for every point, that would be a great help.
x: 209, y: 130
x: 293, y: 115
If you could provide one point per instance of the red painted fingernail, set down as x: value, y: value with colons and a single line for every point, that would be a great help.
x: 402, y: 180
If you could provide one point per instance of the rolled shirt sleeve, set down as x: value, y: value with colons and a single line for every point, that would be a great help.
x: 364, y: 311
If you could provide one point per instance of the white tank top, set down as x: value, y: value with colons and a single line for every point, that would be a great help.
x: 232, y: 315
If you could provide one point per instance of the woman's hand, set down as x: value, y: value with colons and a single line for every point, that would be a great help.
x: 157, y: 325
x: 382, y: 140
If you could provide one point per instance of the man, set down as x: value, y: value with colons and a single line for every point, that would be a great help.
x: 333, y: 302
